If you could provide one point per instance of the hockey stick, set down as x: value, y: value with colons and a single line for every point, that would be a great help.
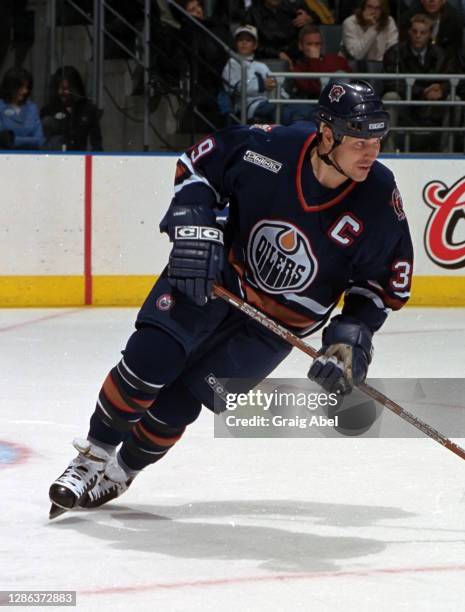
x: 281, y: 331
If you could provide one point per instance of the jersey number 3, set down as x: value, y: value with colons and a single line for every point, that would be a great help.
x: 402, y: 270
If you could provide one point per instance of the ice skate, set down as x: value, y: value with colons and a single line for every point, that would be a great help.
x: 81, y: 475
x: 114, y: 483
x: 104, y: 491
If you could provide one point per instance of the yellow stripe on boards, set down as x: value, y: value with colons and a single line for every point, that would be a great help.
x: 120, y: 290
x: 438, y: 291
x: 16, y: 291
x: 132, y: 290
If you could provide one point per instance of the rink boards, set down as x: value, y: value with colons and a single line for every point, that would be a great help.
x: 81, y: 229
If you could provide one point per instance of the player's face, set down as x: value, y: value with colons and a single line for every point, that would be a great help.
x: 356, y: 156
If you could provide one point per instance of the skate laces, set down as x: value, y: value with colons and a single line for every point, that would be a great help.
x: 85, y: 469
x: 78, y: 476
x: 106, y: 487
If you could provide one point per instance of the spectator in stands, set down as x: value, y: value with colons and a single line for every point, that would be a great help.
x: 206, y: 58
x: 259, y: 83
x: 221, y: 30
x: 278, y: 23
x: 447, y: 23
x: 369, y: 32
x: 419, y: 55
x: 193, y: 7
x: 71, y: 122
x: 213, y: 52
x: 314, y: 59
x: 18, y: 115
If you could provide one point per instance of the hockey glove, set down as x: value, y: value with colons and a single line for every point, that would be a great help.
x: 345, y: 355
x: 197, y: 256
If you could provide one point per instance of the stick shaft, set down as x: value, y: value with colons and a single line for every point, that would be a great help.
x: 284, y: 333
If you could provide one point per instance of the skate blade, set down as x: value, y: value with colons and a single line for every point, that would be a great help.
x: 56, y: 511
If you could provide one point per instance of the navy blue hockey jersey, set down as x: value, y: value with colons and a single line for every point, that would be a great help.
x: 294, y: 245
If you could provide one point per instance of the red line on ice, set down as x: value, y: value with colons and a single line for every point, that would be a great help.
x: 38, y: 320
x: 273, y: 578
x: 402, y: 332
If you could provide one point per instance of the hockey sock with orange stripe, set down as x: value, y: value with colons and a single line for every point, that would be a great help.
x: 149, y: 442
x: 152, y: 358
x: 160, y: 428
x: 122, y: 401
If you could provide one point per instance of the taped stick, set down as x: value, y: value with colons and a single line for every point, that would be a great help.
x: 285, y: 334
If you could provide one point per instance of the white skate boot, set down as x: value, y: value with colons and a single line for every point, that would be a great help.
x: 104, y: 491
x: 114, y: 483
x: 81, y: 475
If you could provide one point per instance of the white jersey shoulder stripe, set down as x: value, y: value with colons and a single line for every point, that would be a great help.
x: 307, y: 302
x: 195, y: 177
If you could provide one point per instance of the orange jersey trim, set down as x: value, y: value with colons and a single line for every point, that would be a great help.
x: 393, y: 303
x: 298, y: 182
x: 267, y: 304
x: 276, y: 310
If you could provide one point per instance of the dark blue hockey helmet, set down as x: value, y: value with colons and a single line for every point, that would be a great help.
x: 352, y: 109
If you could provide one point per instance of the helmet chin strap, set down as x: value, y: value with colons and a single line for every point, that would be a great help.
x: 327, y: 160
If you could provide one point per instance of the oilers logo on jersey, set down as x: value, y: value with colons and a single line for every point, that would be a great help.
x: 280, y: 257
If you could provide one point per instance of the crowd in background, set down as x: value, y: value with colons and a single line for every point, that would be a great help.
x: 391, y: 36
x: 421, y: 37
x: 69, y: 121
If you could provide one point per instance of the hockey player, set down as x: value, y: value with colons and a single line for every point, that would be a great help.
x: 313, y: 217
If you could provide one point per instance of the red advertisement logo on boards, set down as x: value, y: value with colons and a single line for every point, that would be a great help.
x: 442, y: 241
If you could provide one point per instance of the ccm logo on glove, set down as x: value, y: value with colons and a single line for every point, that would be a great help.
x: 194, y: 232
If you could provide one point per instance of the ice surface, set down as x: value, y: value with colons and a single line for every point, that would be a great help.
x: 229, y: 524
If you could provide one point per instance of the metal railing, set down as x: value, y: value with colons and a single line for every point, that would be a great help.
x: 409, y: 79
x: 96, y: 24
x: 96, y: 21
x: 228, y: 50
